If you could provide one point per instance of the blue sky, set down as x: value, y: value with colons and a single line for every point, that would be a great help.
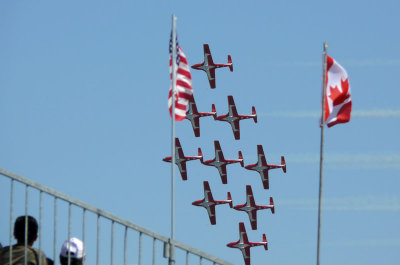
x: 83, y: 110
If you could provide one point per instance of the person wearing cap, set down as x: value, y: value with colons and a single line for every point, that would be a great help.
x: 33, y: 256
x: 73, y: 247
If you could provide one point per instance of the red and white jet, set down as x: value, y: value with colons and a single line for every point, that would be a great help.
x: 251, y: 208
x: 209, y: 203
x: 220, y: 162
x: 209, y: 66
x: 262, y: 167
x: 244, y: 245
x: 181, y: 159
x: 233, y: 117
x: 194, y: 116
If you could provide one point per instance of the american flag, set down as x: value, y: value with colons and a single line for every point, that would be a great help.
x: 184, y: 90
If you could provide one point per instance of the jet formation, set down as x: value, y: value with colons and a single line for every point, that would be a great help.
x: 261, y: 166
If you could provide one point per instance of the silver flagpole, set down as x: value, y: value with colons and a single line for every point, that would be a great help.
x: 171, y: 249
x: 321, y: 150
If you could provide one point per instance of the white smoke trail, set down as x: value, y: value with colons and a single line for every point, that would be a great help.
x: 372, y: 242
x: 291, y: 114
x: 348, y: 63
x: 376, y: 113
x: 342, y: 161
x: 366, y: 204
x: 348, y: 161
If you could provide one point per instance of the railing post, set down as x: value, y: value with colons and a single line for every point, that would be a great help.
x: 112, y: 243
x: 98, y: 241
x: 69, y: 232
x: 140, y: 249
x: 84, y: 229
x: 125, y: 243
x: 55, y: 229
x: 11, y: 217
x: 154, y: 251
x: 40, y: 225
x: 26, y: 226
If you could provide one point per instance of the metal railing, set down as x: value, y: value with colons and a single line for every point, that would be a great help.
x: 157, y: 241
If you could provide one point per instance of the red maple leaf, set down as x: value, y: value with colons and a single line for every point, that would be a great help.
x: 337, y: 96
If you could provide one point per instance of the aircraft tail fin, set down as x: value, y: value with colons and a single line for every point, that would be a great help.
x: 230, y: 63
x: 230, y: 200
x: 283, y: 163
x: 241, y: 158
x: 265, y: 242
x: 271, y: 202
x: 214, y: 110
x: 200, y: 153
x: 253, y: 111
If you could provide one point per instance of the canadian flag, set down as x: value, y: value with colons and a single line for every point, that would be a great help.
x: 337, y: 94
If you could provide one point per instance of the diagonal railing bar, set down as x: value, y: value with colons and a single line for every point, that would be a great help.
x: 113, y: 218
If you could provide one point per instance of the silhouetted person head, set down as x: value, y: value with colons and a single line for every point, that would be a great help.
x: 73, y: 247
x: 19, y: 230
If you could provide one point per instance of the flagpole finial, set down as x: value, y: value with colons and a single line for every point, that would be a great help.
x: 325, y: 46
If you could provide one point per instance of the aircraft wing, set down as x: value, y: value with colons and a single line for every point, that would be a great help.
x: 207, y: 192
x: 211, y: 77
x: 196, y: 126
x: 207, y: 55
x: 265, y: 178
x: 253, y: 213
x: 208, y: 198
x: 178, y: 148
x: 232, y: 107
x: 210, y: 66
x: 218, y: 152
x: 236, y: 129
x: 243, y: 235
x: 246, y: 255
x: 250, y: 197
x: 211, y: 214
x: 243, y: 239
x: 192, y: 115
x: 253, y: 219
x: 261, y: 156
x: 182, y: 169
x: 222, y: 173
x: 192, y: 106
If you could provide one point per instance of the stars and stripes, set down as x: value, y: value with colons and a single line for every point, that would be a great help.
x: 337, y: 95
x: 184, y: 90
